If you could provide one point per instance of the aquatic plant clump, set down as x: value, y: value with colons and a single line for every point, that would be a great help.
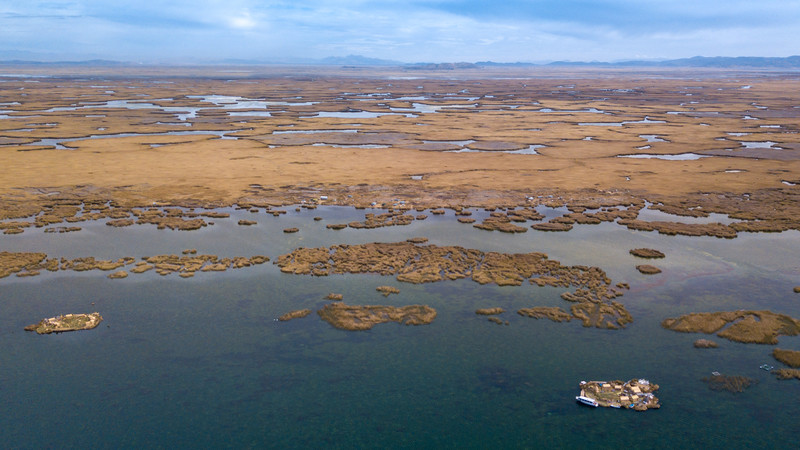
x: 760, y: 327
x: 430, y: 263
x: 31, y: 264
x: 386, y: 290
x: 789, y: 357
x: 646, y: 253
x: 382, y: 220
x: 298, y: 314
x: 489, y: 311
x: 787, y: 374
x: 647, y: 269
x: 500, y: 222
x: 360, y: 318
x: 553, y: 313
x: 11, y: 263
x: 687, y: 229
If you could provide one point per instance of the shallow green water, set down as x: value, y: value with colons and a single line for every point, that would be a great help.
x: 202, y: 362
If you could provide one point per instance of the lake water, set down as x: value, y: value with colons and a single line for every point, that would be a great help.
x: 202, y: 362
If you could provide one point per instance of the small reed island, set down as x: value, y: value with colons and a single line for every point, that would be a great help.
x: 66, y: 322
x: 360, y: 318
x: 759, y: 327
x: 636, y: 394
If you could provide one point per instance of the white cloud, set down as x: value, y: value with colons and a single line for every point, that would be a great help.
x: 242, y: 21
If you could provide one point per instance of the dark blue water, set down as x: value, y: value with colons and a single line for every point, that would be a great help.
x: 201, y: 362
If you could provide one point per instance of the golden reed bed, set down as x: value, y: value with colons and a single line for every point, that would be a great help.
x: 389, y: 157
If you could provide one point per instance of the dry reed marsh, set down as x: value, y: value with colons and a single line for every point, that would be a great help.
x: 357, y: 137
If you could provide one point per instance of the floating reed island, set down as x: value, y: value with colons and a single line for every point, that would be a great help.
x: 66, y: 322
x: 636, y: 394
x: 592, y: 299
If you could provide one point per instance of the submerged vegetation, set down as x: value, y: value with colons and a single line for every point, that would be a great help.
x: 730, y: 383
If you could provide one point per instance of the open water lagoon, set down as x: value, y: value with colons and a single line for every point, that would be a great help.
x: 202, y: 362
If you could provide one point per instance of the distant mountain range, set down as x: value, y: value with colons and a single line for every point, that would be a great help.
x: 755, y: 62
x: 700, y: 61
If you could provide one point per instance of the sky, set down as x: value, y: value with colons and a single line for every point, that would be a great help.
x: 192, y: 31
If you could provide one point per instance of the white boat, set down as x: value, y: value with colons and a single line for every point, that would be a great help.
x: 587, y: 401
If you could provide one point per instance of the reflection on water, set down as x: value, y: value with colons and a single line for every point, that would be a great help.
x: 250, y: 113
x: 766, y: 144
x: 530, y: 150
x: 654, y: 215
x: 322, y: 144
x: 619, y: 124
x: 355, y: 114
x: 181, y: 112
x: 312, y: 131
x: 572, y: 111
x: 58, y: 143
x: 231, y: 102
x: 678, y: 157
x: 424, y: 108
x: 652, y: 138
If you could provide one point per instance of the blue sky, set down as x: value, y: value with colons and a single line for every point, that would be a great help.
x: 188, y: 31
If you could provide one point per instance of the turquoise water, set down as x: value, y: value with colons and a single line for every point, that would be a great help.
x: 202, y: 362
